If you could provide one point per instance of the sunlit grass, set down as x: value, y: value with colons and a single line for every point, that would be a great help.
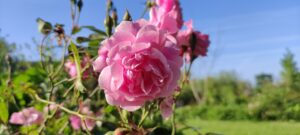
x: 244, y: 127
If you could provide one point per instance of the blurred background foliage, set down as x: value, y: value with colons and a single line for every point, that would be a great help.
x: 227, y: 97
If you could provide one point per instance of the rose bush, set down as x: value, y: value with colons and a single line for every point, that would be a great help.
x: 136, y: 64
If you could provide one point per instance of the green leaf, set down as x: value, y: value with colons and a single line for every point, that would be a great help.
x: 3, y: 112
x: 80, y: 40
x: 29, y: 130
x: 44, y: 27
x: 96, y: 36
x: 94, y: 43
x: 75, y: 30
x: 78, y: 83
x: 93, y: 47
x: 76, y: 58
x: 94, y: 29
x: 108, y: 109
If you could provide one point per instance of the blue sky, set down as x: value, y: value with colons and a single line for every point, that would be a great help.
x: 248, y: 37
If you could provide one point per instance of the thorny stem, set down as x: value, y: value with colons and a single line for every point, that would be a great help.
x: 184, y: 81
x: 121, y: 115
x: 173, y: 120
x: 63, y: 59
x: 49, y: 112
x: 41, y: 52
x: 63, y: 127
x: 66, y: 109
x: 8, y: 83
x: 94, y: 92
x: 145, y: 114
x: 67, y: 92
x: 62, y: 81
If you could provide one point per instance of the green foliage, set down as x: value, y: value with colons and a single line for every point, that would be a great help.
x: 3, y: 111
x: 214, y: 112
x: 226, y: 88
x: 6, y: 48
x: 263, y: 79
x: 226, y: 97
x: 290, y: 73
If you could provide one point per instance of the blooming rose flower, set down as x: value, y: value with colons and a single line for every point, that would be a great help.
x: 166, y: 107
x: 193, y: 43
x: 70, y: 66
x: 27, y: 116
x: 167, y: 15
x: 139, y: 63
x: 77, y: 123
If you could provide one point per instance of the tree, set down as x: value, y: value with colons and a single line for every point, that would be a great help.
x: 5, y: 48
x: 290, y: 71
x: 263, y: 79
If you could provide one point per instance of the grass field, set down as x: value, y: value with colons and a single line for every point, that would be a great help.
x: 243, y: 127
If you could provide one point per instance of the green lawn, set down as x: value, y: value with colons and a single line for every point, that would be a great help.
x: 244, y: 127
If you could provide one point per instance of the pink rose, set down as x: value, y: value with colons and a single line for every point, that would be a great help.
x: 167, y: 15
x: 193, y: 43
x: 87, y: 123
x: 70, y: 67
x: 27, y: 116
x: 141, y: 63
x: 166, y: 107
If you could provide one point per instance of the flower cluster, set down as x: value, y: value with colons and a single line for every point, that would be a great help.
x: 27, y: 116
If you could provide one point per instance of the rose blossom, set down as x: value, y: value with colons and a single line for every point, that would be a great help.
x: 77, y: 123
x: 27, y: 116
x: 193, y: 43
x: 138, y: 63
x: 70, y: 67
x: 167, y: 15
x: 166, y: 107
